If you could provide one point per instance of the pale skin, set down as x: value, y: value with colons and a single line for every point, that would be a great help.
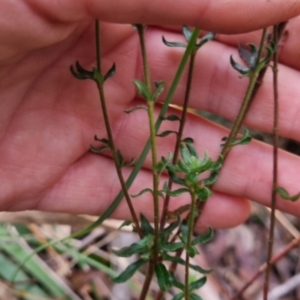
x: 48, y: 118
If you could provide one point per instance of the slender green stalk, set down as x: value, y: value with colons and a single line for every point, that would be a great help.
x: 155, y: 175
x: 180, y: 132
x: 188, y: 244
x: 277, y: 30
x: 109, y: 132
x: 253, y: 87
x: 249, y: 96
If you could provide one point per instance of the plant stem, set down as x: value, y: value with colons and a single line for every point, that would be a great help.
x: 249, y: 96
x: 109, y: 132
x: 276, y: 31
x: 180, y: 132
x: 155, y: 175
x: 189, y: 242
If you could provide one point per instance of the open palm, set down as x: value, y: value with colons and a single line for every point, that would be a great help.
x: 48, y: 119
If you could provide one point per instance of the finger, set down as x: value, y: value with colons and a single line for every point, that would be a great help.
x: 221, y: 16
x: 91, y: 184
x: 288, y: 46
x: 218, y: 88
x: 247, y: 172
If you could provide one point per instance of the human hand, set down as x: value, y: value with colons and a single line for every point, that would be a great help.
x: 48, y: 119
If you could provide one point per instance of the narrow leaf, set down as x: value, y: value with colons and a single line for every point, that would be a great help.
x: 165, y: 233
x: 186, y: 32
x: 184, y: 230
x: 172, y: 247
x: 138, y: 107
x: 126, y: 223
x: 197, y: 284
x: 176, y: 179
x: 146, y: 226
x: 143, y: 90
x: 172, y: 118
x: 192, y: 150
x: 111, y: 72
x: 286, y: 196
x: 192, y: 251
x: 241, y: 69
x: 188, y: 140
x: 173, y: 44
x: 174, y: 193
x: 205, y: 238
x: 176, y: 283
x: 166, y: 133
x: 147, y: 190
x: 141, y: 246
x: 159, y: 89
x: 206, y: 38
x: 178, y: 296
x: 98, y: 150
x: 130, y: 163
x: 104, y: 141
x: 195, y: 297
x: 203, y: 193
x: 129, y: 271
x: 162, y: 276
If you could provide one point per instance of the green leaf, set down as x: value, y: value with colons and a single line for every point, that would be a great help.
x: 146, y: 226
x: 173, y: 44
x: 178, y: 296
x: 248, y: 54
x: 138, y: 107
x: 176, y: 179
x: 184, y: 230
x: 176, y: 283
x: 159, y: 89
x: 111, y: 72
x: 143, y: 90
x: 120, y: 157
x: 182, y: 262
x: 211, y: 179
x: 286, y: 196
x: 172, y: 118
x: 161, y: 166
x: 104, y: 141
x: 205, y: 238
x: 185, y: 153
x: 188, y: 141
x: 206, y: 38
x: 203, y: 193
x: 172, y: 247
x: 166, y: 133
x: 174, y: 193
x: 197, y: 284
x: 147, y: 190
x: 192, y: 251
x: 186, y: 32
x: 129, y: 271
x: 98, y: 150
x: 165, y: 233
x: 129, y: 164
x: 244, y: 140
x: 192, y: 150
x: 195, y: 297
x: 163, y: 277
x: 125, y: 223
x: 241, y: 69
x: 141, y: 246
